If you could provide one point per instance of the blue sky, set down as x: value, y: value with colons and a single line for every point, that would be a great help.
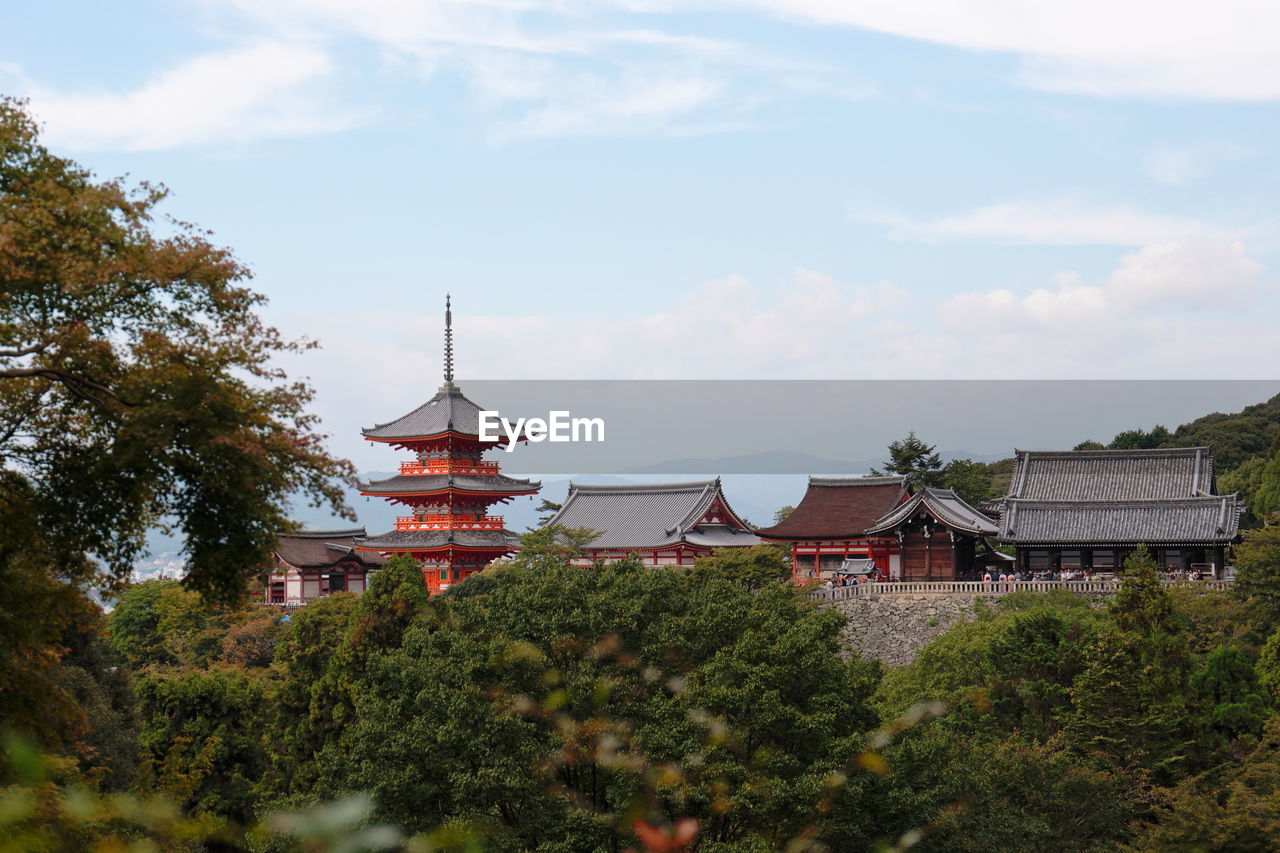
x: 659, y: 188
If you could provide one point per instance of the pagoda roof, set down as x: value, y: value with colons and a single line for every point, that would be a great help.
x: 1112, y: 475
x: 410, y: 540
x: 649, y: 516
x: 944, y: 505
x: 839, y: 508
x: 449, y: 411
x: 1191, y: 520
x: 319, y: 549
x: 416, y: 484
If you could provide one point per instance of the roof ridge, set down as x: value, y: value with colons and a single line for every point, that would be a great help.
x: 320, y: 534
x: 1109, y: 451
x: 622, y: 488
x: 882, y: 479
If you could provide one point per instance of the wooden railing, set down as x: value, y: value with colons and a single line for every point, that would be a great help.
x: 1107, y: 587
x: 444, y: 521
x: 447, y: 466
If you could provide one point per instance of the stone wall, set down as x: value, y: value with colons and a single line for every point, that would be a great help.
x: 892, y: 628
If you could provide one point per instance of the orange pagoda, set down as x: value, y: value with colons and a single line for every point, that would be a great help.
x: 447, y: 487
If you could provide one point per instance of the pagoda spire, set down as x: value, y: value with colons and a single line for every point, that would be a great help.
x: 448, y: 339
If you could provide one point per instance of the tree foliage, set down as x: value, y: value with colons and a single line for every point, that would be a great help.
x: 137, y: 383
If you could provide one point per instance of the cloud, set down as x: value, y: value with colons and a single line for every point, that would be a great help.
x: 1143, y: 48
x: 1067, y: 221
x: 251, y: 92
x: 1175, y: 165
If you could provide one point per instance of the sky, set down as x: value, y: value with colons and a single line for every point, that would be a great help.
x: 735, y: 189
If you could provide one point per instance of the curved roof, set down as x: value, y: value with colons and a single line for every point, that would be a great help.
x: 416, y: 484
x: 448, y: 411
x: 1206, y: 519
x: 319, y: 549
x: 1112, y: 475
x: 944, y: 505
x: 651, y: 516
x: 839, y: 508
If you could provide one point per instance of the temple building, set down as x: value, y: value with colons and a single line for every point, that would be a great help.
x: 938, y: 535
x: 1089, y: 509
x: 669, y: 524
x: 447, y: 487
x: 830, y: 525
x: 311, y: 564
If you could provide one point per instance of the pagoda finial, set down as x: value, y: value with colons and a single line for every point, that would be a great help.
x: 448, y: 338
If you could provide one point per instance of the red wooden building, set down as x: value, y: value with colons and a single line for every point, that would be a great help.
x: 666, y: 524
x: 938, y: 534
x: 311, y: 564
x: 830, y: 525
x: 447, y: 487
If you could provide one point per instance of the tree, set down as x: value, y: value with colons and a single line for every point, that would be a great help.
x: 752, y: 567
x: 782, y: 513
x: 1257, y: 560
x: 970, y: 480
x: 1090, y: 444
x: 1266, y: 499
x: 547, y: 510
x: 137, y: 383
x: 1137, y: 439
x: 554, y: 703
x: 913, y: 458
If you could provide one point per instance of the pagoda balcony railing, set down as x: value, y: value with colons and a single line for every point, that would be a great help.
x: 444, y: 521
x: 448, y: 466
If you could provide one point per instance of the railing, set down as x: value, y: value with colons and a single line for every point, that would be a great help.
x: 447, y: 466
x: 444, y: 521
x: 862, y: 590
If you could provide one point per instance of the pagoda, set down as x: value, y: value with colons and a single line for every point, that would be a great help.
x: 448, y: 486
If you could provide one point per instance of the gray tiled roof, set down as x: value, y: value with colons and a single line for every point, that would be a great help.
x: 945, y: 505
x: 1117, y: 497
x: 406, y: 539
x: 403, y: 484
x: 311, y: 549
x: 1209, y: 520
x: 648, y: 516
x: 448, y: 411
x: 1112, y: 475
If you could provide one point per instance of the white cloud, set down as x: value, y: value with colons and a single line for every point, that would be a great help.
x: 251, y: 92
x: 1067, y: 221
x: 1175, y: 165
x: 1195, y: 274
x: 1146, y: 320
x: 1149, y: 48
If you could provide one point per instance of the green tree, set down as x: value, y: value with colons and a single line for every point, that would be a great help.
x: 782, y: 513
x: 137, y: 383
x: 972, y: 481
x: 1257, y: 561
x: 1137, y: 439
x: 752, y: 567
x: 1129, y: 701
x: 1266, y: 498
x: 553, y: 703
x: 913, y: 458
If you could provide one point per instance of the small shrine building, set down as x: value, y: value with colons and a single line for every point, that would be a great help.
x: 311, y: 564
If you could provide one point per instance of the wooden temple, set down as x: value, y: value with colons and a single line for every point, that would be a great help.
x: 311, y: 564
x: 1089, y: 509
x: 938, y: 535
x: 667, y: 524
x: 447, y: 487
x: 830, y: 523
